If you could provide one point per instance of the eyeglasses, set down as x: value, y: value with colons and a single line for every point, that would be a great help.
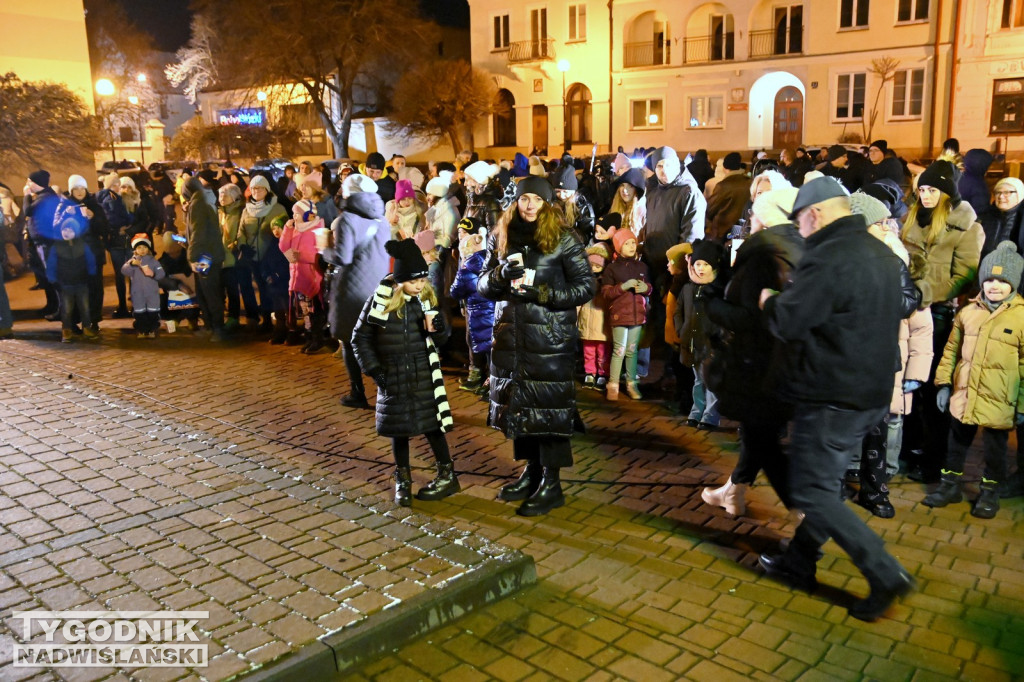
x: 1006, y: 193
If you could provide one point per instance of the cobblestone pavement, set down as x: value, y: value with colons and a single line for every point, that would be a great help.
x: 637, y: 578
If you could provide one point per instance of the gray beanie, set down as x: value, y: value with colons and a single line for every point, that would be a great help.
x: 873, y: 210
x: 1004, y: 264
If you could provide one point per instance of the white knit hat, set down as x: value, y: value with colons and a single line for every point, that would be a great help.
x: 1015, y: 184
x: 481, y: 171
x: 77, y: 181
x: 438, y: 186
x: 773, y: 207
x: 355, y: 183
x: 126, y: 181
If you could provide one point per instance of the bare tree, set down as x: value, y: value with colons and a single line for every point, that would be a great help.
x: 442, y: 99
x: 884, y: 69
x: 331, y: 50
x: 196, y: 140
x: 43, y: 122
x: 195, y: 67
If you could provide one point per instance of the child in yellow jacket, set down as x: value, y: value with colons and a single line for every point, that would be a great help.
x: 979, y: 379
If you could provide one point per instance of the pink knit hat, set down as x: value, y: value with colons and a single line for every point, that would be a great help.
x: 620, y: 238
x: 404, y: 190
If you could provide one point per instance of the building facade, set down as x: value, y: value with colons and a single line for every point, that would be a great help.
x: 726, y: 75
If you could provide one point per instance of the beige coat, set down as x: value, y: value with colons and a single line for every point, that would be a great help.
x: 915, y: 358
x: 592, y: 321
x: 953, y: 258
x: 984, y: 363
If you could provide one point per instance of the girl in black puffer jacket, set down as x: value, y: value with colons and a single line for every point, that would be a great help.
x: 396, y: 346
x: 533, y: 394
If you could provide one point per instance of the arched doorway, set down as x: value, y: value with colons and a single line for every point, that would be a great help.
x: 761, y: 107
x: 788, y: 122
x: 578, y: 116
x: 504, y: 119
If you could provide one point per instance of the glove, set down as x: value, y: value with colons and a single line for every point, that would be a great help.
x: 942, y: 398
x: 510, y: 271
x: 911, y: 385
x: 378, y: 378
x: 527, y: 293
x: 628, y: 284
x: 438, y: 324
x: 642, y: 287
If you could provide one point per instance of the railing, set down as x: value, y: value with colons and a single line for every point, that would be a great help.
x: 531, y: 50
x: 709, y: 49
x: 646, y: 54
x: 775, y: 42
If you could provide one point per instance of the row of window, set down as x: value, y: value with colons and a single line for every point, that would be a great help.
x: 852, y: 14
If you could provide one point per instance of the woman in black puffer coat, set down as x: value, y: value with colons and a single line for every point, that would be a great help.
x: 396, y: 346
x: 533, y: 395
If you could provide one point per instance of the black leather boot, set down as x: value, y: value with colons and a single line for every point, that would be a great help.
x: 547, y: 497
x: 525, y: 486
x: 446, y: 483
x: 987, y: 504
x: 403, y: 486
x: 950, y: 490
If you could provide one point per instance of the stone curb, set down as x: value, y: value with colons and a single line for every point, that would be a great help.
x: 334, y: 655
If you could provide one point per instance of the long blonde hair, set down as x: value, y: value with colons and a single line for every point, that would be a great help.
x: 937, y: 226
x: 397, y: 302
x: 131, y: 198
x: 549, y: 230
x: 625, y: 210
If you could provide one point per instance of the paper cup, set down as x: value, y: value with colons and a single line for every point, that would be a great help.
x: 429, y: 319
x: 171, y: 326
x: 516, y: 258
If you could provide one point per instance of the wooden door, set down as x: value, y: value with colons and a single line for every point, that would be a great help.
x: 789, y: 119
x: 540, y: 128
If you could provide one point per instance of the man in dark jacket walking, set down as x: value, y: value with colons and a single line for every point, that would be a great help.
x: 839, y: 324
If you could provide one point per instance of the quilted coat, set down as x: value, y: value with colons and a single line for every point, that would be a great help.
x: 304, y: 276
x: 984, y: 363
x: 534, y: 352
x: 480, y: 311
x: 952, y: 260
x: 625, y: 308
x: 359, y: 258
x: 406, y: 406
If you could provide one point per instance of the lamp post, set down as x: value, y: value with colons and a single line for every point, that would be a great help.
x: 563, y: 66
x: 134, y: 101
x: 105, y: 88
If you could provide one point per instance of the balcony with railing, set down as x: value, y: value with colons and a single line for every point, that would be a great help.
x: 777, y: 42
x: 523, y: 51
x: 714, y: 48
x: 657, y: 53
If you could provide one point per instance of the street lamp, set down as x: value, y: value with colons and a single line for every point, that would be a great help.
x: 105, y: 88
x: 134, y: 101
x: 563, y: 66
x: 261, y: 96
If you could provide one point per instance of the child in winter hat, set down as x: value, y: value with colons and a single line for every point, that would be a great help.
x: 625, y: 284
x: 704, y: 265
x: 395, y: 342
x: 593, y: 327
x: 985, y: 350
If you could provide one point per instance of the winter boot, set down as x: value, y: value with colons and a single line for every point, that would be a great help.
x: 987, y: 504
x: 589, y: 381
x: 525, y: 486
x: 355, y: 398
x: 403, y: 486
x: 473, y: 381
x: 446, y: 483
x: 632, y: 390
x: 731, y: 497
x: 295, y: 338
x: 951, y: 489
x: 612, y: 392
x: 547, y: 497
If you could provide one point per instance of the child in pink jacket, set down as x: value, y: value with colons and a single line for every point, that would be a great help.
x: 298, y: 244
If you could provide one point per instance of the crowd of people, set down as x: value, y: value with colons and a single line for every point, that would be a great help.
x: 813, y: 295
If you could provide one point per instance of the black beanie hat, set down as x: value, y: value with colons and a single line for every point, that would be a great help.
x: 565, y: 178
x: 732, y: 161
x: 409, y: 261
x: 40, y: 177
x: 375, y: 161
x: 711, y: 252
x: 534, y: 185
x: 942, y: 176
x: 881, y: 145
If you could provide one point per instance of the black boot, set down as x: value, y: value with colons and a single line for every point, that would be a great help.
x: 525, y: 486
x: 1012, y: 486
x: 446, y: 483
x: 874, y: 606
x: 987, y: 504
x: 403, y: 486
x: 355, y: 398
x: 547, y: 497
x: 950, y: 490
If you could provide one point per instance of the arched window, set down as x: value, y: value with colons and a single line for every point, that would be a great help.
x: 578, y: 125
x: 504, y: 119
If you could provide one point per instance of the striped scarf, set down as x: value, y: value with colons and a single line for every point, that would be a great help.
x: 381, y: 296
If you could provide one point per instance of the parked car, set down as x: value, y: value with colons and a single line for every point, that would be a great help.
x: 122, y: 165
x: 273, y: 166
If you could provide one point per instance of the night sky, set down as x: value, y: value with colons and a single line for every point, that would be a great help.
x: 168, y: 22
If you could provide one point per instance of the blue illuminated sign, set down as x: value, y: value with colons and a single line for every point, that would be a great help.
x: 253, y: 116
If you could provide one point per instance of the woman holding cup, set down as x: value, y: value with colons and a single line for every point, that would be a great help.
x: 537, y: 272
